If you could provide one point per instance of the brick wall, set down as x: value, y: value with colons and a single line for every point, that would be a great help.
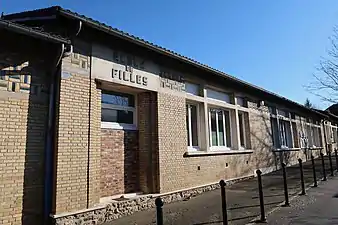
x: 148, y: 142
x: 178, y: 172
x: 78, y: 147
x: 119, y: 162
x: 22, y: 140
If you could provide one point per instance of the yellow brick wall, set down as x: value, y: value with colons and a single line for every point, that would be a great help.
x: 23, y: 128
x: 12, y: 151
x: 179, y: 172
x: 76, y: 168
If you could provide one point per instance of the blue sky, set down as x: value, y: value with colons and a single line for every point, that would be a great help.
x: 273, y: 44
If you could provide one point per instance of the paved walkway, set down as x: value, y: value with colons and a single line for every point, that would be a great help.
x: 319, y: 206
x: 242, y: 201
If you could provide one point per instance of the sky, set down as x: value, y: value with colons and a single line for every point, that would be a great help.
x: 273, y: 44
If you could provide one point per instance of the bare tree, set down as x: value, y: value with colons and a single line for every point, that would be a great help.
x: 325, y: 84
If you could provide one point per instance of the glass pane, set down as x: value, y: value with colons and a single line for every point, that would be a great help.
x: 117, y: 99
x: 192, y: 88
x: 295, y: 135
x: 275, y: 132
x: 220, y: 128
x: 218, y: 95
x: 194, y: 129
x: 118, y: 116
x: 241, y: 129
x: 124, y: 116
x: 213, y: 128
x: 309, y: 136
x: 227, y: 127
x: 283, y: 133
x: 108, y: 115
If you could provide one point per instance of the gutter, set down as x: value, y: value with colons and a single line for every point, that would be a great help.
x: 32, y: 32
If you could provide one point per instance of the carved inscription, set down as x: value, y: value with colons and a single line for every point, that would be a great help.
x: 129, y: 76
x: 172, y: 81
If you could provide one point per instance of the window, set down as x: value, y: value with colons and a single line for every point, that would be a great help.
x: 118, y: 109
x: 192, y: 88
x: 241, y: 129
x: 221, y: 96
x: 317, y: 137
x: 281, y: 133
x: 219, y: 128
x: 192, y: 126
x: 241, y: 101
x: 334, y: 134
x: 295, y: 135
x: 285, y: 134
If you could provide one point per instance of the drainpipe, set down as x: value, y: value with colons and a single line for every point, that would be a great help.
x: 50, y: 145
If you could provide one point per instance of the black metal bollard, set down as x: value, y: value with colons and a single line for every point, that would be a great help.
x: 301, y: 176
x: 261, y: 196
x: 224, y: 203
x: 323, y: 166
x: 314, y: 171
x: 159, y: 211
x: 336, y: 155
x: 286, y: 194
x: 331, y: 167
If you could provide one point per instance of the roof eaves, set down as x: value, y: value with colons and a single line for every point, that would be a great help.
x: 108, y: 29
x: 129, y: 37
x: 32, y: 32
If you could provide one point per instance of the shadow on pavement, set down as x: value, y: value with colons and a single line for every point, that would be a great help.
x: 257, y: 205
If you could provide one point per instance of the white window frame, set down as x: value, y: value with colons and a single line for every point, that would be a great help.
x: 121, y: 126
x: 219, y: 147
x: 190, y: 146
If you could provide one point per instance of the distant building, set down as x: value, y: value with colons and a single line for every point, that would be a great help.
x: 333, y: 109
x: 116, y: 115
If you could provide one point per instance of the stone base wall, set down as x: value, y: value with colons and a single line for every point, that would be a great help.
x: 117, y: 209
x: 119, y: 162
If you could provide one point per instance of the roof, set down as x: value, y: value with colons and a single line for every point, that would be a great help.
x: 57, y: 10
x: 33, y: 32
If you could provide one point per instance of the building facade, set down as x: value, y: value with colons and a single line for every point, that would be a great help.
x: 134, y: 118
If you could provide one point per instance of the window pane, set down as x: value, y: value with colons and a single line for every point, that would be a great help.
x: 275, y: 132
x: 295, y: 135
x: 194, y: 125
x: 118, y: 116
x: 241, y: 129
x: 218, y: 95
x: 285, y: 133
x: 192, y: 130
x: 241, y: 101
x: 227, y: 128
x: 119, y: 99
x: 220, y: 128
x: 213, y: 128
x: 192, y: 88
x: 309, y: 136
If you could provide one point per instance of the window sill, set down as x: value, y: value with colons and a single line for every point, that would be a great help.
x: 118, y: 126
x: 211, y: 153
x: 314, y: 148
x: 285, y: 149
